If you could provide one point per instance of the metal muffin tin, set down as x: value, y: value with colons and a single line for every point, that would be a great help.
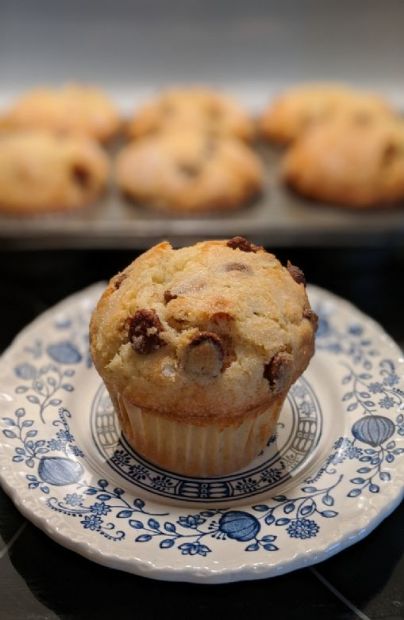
x: 277, y: 218
x: 252, y: 50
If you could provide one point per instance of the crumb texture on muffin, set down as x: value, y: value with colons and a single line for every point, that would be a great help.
x: 357, y: 165
x: 218, y: 329
x: 187, y: 171
x: 301, y: 107
x: 73, y: 108
x: 40, y: 172
x: 193, y: 107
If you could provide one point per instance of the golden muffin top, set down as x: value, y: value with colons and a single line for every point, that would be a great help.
x: 217, y: 328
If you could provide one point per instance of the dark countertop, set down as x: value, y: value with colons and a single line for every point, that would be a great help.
x: 41, y: 580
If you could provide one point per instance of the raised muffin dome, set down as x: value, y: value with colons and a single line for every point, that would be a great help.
x: 217, y: 329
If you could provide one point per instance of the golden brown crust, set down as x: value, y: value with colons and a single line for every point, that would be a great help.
x: 211, y: 418
x: 41, y: 172
x: 347, y: 164
x: 188, y: 171
x: 71, y: 109
x: 300, y: 108
x: 243, y: 317
x: 195, y: 108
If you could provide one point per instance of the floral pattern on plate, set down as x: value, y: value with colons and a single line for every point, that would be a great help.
x: 314, y: 491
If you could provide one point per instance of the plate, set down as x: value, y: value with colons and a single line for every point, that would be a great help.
x: 332, y: 472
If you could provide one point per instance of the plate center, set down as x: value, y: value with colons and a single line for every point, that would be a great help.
x: 286, y: 455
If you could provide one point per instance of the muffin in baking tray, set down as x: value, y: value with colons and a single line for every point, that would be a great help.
x: 194, y: 107
x: 41, y: 172
x: 189, y: 171
x: 198, y: 348
x: 71, y: 108
x: 349, y: 163
x: 299, y: 108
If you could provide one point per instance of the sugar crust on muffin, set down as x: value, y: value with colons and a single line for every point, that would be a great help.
x: 73, y: 108
x: 290, y: 114
x: 193, y: 107
x: 189, y: 171
x: 41, y: 172
x: 350, y: 164
x: 216, y: 329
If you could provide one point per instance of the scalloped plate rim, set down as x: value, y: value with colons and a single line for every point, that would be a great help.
x: 170, y: 572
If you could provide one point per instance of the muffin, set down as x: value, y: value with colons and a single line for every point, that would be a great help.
x: 41, y: 172
x: 189, y: 171
x: 195, y: 108
x: 70, y: 109
x: 198, y: 348
x: 357, y: 165
x: 299, y: 108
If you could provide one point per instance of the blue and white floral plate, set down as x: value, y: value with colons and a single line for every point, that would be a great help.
x: 334, y: 470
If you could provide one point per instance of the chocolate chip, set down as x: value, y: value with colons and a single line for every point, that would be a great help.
x: 81, y: 176
x: 168, y: 296
x: 119, y: 279
x: 389, y: 154
x: 221, y: 317
x: 296, y: 273
x: 310, y: 315
x: 236, y: 267
x: 204, y: 356
x: 144, y: 329
x: 221, y: 324
x: 189, y: 170
x: 278, y: 370
x: 241, y: 243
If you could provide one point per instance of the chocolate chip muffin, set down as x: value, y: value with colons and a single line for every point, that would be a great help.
x: 71, y: 109
x: 349, y: 164
x: 301, y: 107
x: 189, y: 171
x: 42, y: 172
x: 198, y: 348
x: 194, y: 107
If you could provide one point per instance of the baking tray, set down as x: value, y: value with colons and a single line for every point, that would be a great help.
x: 278, y: 218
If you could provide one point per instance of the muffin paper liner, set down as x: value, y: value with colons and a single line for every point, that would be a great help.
x: 197, y: 450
